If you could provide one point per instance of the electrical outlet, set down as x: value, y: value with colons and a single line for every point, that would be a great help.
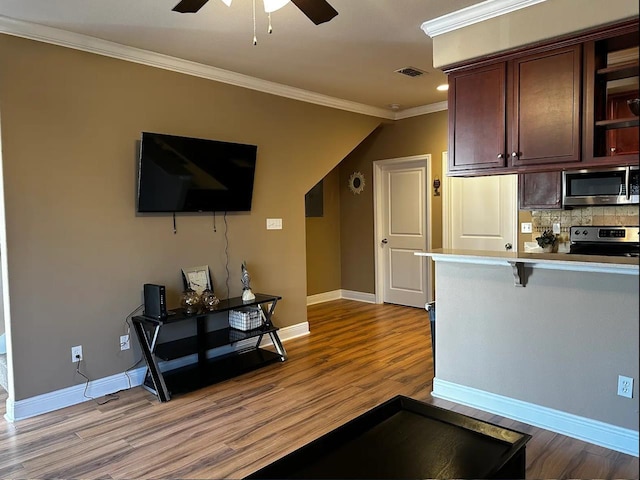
x: 76, y: 353
x: 556, y: 228
x: 526, y: 227
x: 124, y: 342
x: 625, y: 386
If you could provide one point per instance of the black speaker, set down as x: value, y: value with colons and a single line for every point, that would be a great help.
x: 155, y: 300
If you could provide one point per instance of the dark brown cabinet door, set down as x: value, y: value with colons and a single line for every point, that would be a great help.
x: 477, y: 119
x: 539, y: 191
x: 546, y: 107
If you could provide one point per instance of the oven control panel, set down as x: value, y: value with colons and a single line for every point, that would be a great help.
x: 604, y: 234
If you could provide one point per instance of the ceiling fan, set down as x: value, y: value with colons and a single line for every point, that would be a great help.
x: 318, y: 11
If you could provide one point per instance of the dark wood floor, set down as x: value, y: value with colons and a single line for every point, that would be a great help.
x: 357, y: 356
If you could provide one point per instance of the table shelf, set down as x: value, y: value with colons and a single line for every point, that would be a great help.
x: 214, y: 339
x: 199, y: 375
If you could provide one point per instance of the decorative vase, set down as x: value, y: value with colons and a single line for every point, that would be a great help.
x: 209, y: 300
x: 190, y: 300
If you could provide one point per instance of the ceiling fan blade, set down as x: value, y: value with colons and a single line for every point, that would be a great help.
x: 189, y: 6
x: 318, y: 11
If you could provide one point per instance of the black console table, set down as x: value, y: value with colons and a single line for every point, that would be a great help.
x: 205, y: 371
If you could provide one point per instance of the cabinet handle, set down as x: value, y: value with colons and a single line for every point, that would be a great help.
x: 514, y: 154
x: 501, y: 155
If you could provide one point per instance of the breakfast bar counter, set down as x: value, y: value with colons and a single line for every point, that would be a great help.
x: 541, y: 338
x: 556, y: 261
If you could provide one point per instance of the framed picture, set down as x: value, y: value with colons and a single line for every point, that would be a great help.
x: 197, y: 278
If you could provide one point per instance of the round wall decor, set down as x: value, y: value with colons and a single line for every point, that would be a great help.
x: 356, y: 183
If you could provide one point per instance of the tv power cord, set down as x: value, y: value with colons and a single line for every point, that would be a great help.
x: 108, y: 397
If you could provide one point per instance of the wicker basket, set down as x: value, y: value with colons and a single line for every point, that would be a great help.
x: 244, y: 319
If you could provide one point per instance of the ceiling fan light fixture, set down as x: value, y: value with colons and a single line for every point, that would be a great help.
x: 273, y: 5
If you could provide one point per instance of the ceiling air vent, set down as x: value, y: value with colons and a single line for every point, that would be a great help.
x: 410, y: 71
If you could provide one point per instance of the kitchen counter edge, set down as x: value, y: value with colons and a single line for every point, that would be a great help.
x: 556, y: 261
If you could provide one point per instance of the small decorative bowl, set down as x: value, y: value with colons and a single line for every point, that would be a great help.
x: 634, y: 105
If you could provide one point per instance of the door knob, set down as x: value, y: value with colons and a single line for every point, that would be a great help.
x: 508, y: 246
x: 385, y: 241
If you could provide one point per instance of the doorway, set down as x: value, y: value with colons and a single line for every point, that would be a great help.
x: 479, y: 213
x: 402, y: 215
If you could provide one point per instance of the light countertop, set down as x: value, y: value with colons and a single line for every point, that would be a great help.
x: 558, y: 261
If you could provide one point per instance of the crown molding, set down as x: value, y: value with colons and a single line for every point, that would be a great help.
x: 422, y: 110
x: 85, y: 43
x: 473, y: 14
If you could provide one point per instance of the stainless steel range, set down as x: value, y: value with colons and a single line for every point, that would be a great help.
x: 617, y: 241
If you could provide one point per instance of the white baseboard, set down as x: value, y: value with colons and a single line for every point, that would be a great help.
x: 593, y: 431
x: 359, y: 296
x: 324, y: 297
x: 293, y: 331
x: 341, y: 294
x: 49, y: 402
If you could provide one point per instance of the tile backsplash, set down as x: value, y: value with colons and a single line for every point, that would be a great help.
x: 541, y: 220
x: 626, y: 215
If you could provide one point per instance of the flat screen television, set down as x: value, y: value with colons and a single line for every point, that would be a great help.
x: 184, y: 174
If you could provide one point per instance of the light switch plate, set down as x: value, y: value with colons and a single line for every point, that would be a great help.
x: 274, y: 224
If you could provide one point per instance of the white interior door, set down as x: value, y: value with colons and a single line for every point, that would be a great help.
x: 480, y: 213
x: 402, y: 229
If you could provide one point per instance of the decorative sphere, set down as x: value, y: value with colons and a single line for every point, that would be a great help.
x: 209, y: 300
x: 190, y: 300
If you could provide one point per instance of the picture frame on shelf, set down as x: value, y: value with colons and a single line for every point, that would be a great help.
x: 197, y: 278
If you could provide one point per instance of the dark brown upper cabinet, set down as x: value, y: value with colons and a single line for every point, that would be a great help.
x: 556, y: 105
x: 545, y: 114
x: 517, y: 113
x: 540, y: 191
x: 477, y: 116
x: 610, y: 79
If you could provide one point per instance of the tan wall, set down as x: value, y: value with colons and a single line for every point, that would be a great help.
x: 531, y: 24
x: 323, y: 241
x: 412, y: 136
x: 523, y: 216
x: 560, y: 342
x: 78, y: 255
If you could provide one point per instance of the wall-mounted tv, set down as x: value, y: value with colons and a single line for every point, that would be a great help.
x: 184, y: 174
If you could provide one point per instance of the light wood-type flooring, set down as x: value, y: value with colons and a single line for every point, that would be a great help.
x: 357, y: 356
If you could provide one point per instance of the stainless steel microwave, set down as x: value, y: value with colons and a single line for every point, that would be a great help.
x: 600, y: 186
